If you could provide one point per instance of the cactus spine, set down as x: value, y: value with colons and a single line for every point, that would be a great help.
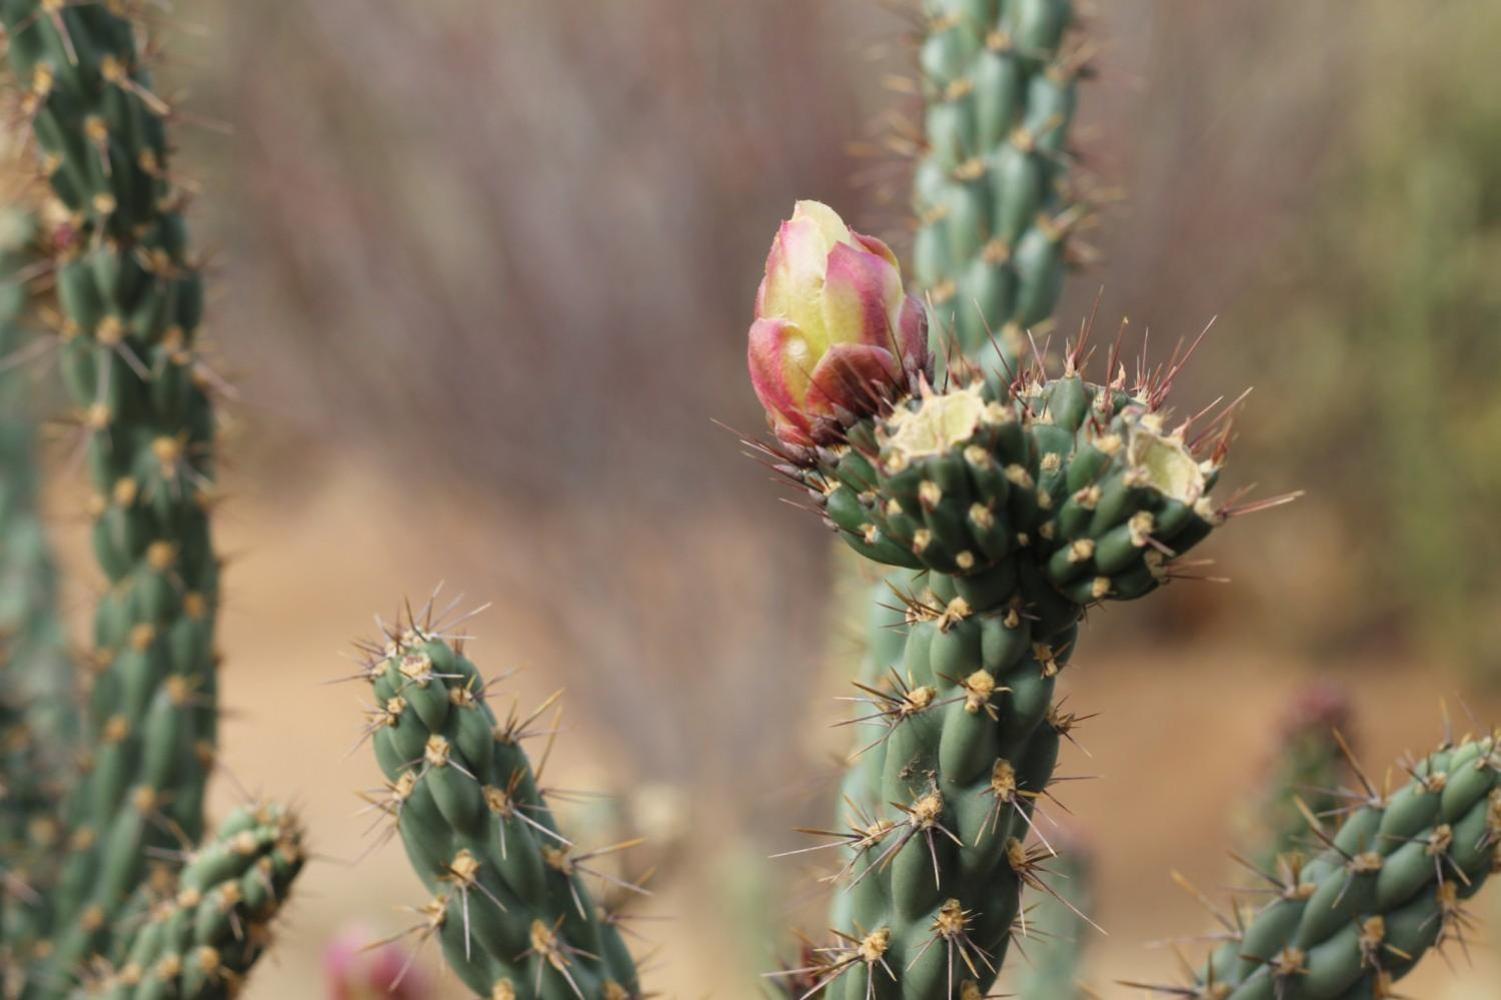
x: 1058, y: 930
x: 509, y: 901
x: 36, y: 698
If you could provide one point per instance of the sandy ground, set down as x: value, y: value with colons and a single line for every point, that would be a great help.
x: 1177, y: 732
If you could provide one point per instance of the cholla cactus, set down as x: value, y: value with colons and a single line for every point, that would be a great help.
x: 131, y: 298
x: 1389, y: 883
x: 510, y: 904
x: 1022, y: 503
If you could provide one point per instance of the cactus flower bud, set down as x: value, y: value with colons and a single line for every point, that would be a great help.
x: 835, y: 332
x: 357, y: 966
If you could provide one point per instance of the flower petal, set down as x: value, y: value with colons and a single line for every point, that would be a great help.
x: 912, y: 335
x: 878, y: 247
x: 862, y: 294
x: 827, y: 221
x: 794, y: 277
x: 852, y: 377
x: 781, y: 367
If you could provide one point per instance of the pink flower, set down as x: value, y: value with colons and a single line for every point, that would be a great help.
x: 835, y: 332
x: 355, y: 967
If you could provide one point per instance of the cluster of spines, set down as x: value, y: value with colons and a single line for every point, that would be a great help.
x: 1059, y: 931
x: 131, y: 299
x: 991, y: 193
x: 510, y: 905
x: 37, y: 712
x: 198, y: 936
x: 1389, y: 883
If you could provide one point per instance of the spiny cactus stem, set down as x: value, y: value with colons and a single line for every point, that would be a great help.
x: 509, y: 903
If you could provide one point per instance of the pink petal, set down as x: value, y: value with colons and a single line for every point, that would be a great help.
x: 877, y: 247
x: 912, y: 335
x: 779, y: 364
x: 853, y: 377
x: 861, y: 295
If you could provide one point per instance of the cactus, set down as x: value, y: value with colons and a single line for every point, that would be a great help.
x: 198, y: 938
x: 990, y: 191
x: 1388, y: 885
x: 131, y: 299
x: 994, y: 211
x: 509, y: 901
x: 1021, y: 503
x: 35, y: 674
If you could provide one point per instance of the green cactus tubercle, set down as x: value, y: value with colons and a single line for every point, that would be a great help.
x: 509, y: 904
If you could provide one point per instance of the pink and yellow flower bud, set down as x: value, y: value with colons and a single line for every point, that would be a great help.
x: 357, y: 966
x: 835, y: 332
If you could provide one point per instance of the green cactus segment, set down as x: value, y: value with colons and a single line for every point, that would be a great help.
x: 132, y: 299
x: 38, y: 717
x: 935, y: 861
x: 1309, y: 766
x: 990, y: 190
x: 1058, y: 933
x: 1388, y: 886
x: 1016, y: 505
x: 199, y: 939
x: 510, y: 903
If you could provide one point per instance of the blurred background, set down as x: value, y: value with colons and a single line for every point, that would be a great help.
x: 483, y: 276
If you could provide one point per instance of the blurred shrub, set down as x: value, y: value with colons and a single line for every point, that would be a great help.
x: 1382, y: 319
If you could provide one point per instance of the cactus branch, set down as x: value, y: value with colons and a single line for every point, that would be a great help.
x: 510, y: 903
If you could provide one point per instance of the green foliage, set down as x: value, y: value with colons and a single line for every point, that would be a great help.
x: 197, y: 939
x: 1016, y: 505
x: 1388, y: 886
x: 509, y: 900
x: 1386, y: 301
x: 990, y: 192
